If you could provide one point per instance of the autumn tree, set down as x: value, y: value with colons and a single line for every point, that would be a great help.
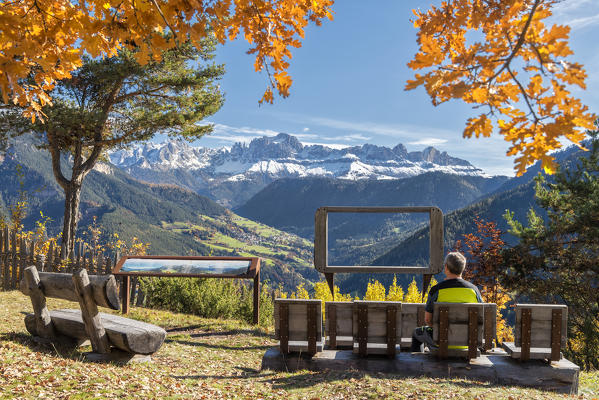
x: 116, y: 101
x: 48, y: 39
x: 501, y: 57
x: 483, y: 250
x: 557, y: 258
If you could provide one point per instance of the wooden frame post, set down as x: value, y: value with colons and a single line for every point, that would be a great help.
x: 362, y: 329
x: 89, y: 312
x: 472, y: 332
x: 330, y: 277
x: 443, y: 332
x: 525, y: 334
x: 126, y: 293
x: 256, y: 319
x: 426, y: 281
x: 332, y: 320
x: 284, y: 328
x: 311, y: 328
x: 391, y: 331
x: 556, y: 334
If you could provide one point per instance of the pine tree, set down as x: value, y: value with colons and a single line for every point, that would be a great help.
x: 557, y: 260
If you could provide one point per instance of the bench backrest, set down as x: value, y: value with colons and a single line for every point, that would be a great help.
x: 339, y: 323
x: 298, y: 321
x: 376, y: 323
x: 541, y: 326
x: 61, y: 286
x: 456, y: 325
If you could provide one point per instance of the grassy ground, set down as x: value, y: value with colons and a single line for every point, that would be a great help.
x: 206, y: 359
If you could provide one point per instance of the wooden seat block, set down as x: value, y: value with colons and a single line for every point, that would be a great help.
x: 298, y: 325
x: 123, y: 333
x: 541, y: 332
x: 412, y: 317
x: 339, y: 324
x: 376, y: 327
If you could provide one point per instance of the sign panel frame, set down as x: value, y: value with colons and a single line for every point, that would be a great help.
x: 253, y: 272
x: 435, y: 241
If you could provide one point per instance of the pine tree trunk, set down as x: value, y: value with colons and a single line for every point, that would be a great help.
x: 72, y: 194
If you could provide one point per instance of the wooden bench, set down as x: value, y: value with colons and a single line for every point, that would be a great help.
x: 298, y: 325
x: 105, y: 331
x: 541, y: 332
x: 339, y: 328
x: 376, y: 325
x: 458, y: 325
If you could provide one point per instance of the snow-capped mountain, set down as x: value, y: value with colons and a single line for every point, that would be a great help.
x: 232, y: 175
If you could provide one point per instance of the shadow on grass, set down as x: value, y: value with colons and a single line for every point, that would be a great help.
x: 61, y: 347
x: 209, y: 333
x: 246, y: 373
x: 217, y: 346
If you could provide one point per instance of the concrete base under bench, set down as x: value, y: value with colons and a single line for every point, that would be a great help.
x: 496, y: 367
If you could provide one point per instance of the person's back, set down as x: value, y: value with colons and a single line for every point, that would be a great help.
x: 453, y: 289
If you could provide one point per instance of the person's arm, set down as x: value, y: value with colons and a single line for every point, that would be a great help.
x: 428, y: 318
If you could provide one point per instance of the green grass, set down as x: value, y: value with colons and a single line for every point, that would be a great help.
x: 206, y: 358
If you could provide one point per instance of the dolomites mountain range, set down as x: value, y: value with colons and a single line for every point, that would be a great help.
x: 233, y: 175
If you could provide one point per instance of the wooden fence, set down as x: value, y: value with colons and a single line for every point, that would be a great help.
x: 17, y: 253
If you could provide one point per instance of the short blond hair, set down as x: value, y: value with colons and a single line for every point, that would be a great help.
x: 455, y: 262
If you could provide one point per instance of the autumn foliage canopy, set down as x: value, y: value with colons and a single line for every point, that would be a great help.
x: 47, y: 38
x: 501, y: 57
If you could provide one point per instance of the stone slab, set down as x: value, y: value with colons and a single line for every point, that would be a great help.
x: 494, y: 367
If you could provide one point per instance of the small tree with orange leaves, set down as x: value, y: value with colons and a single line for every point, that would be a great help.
x: 484, y: 252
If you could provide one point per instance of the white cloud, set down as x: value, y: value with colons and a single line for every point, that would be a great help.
x: 428, y: 142
x: 306, y: 129
x: 584, y: 22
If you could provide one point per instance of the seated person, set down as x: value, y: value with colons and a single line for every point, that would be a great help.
x: 453, y: 289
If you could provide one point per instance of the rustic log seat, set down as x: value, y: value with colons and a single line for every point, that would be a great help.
x: 339, y: 324
x: 540, y: 332
x: 459, y: 329
x: 298, y: 325
x: 376, y: 325
x: 105, y: 331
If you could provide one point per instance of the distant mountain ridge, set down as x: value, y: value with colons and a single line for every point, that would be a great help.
x: 231, y: 176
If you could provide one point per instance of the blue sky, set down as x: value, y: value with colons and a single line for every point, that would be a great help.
x: 348, y: 80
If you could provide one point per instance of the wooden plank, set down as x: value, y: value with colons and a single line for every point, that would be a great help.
x: 256, y: 287
x: 490, y: 326
x: 14, y: 259
x: 525, y: 330
x: 412, y: 315
x: 331, y: 321
x: 320, y: 240
x: 43, y: 322
x: 391, y: 330
x: 362, y: 322
x: 133, y: 290
x: 472, y: 332
x: 541, y: 321
x: 50, y: 258
x: 5, y: 258
x: 89, y: 312
x: 443, y: 331
x: 284, y: 328
x: 126, y: 293
x: 61, y: 286
x: 556, y: 334
x: 22, y: 258
x: 311, y: 328
x: 126, y: 334
x: 436, y: 241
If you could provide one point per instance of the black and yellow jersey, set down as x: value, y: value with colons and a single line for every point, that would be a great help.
x: 453, y: 291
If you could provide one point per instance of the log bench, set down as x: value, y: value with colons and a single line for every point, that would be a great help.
x: 339, y: 327
x: 298, y: 325
x: 376, y: 325
x: 106, y: 332
x: 541, y: 332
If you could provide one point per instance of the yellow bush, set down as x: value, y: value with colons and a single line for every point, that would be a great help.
x: 413, y: 295
x: 395, y: 291
x: 375, y: 291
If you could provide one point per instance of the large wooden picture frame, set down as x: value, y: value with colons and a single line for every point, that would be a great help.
x: 435, y: 244
x: 252, y: 272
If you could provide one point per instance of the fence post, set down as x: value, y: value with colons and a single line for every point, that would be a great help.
x: 5, y: 259
x: 15, y: 261
x: 2, y: 272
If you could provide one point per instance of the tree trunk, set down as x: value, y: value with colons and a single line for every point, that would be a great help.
x: 72, y: 197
